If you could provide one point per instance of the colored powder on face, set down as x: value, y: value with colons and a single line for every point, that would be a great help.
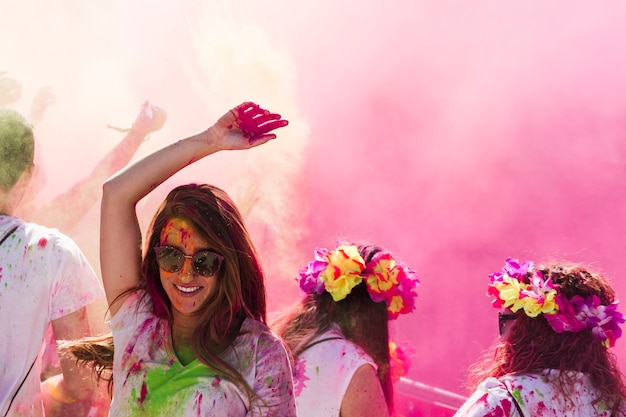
x: 177, y: 227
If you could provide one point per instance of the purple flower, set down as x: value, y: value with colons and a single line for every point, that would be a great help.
x: 514, y: 269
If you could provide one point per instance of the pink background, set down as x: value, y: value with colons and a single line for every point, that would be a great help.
x: 452, y: 134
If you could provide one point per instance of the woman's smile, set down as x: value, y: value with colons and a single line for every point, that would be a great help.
x: 186, y: 289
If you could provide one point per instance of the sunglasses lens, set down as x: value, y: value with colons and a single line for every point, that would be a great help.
x: 206, y: 263
x: 502, y: 319
x: 170, y: 259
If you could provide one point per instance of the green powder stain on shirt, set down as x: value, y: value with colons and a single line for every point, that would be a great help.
x: 168, y: 389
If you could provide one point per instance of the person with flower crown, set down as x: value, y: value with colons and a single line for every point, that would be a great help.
x: 557, y: 323
x: 339, y: 332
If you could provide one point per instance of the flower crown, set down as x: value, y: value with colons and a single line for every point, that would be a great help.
x: 339, y: 270
x: 541, y: 296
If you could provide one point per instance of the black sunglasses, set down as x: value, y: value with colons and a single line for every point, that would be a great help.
x: 503, y: 318
x: 205, y: 262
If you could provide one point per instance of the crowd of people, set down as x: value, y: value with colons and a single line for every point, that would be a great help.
x: 186, y: 306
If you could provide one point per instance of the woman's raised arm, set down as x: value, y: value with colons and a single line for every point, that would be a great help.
x: 242, y: 127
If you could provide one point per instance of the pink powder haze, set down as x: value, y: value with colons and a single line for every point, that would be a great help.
x: 453, y: 134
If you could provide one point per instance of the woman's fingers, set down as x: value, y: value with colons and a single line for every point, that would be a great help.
x: 255, y: 122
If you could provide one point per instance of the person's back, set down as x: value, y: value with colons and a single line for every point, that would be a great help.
x: 557, y: 322
x: 536, y: 394
x: 342, y: 359
x: 44, y: 279
x: 41, y: 281
x: 339, y: 332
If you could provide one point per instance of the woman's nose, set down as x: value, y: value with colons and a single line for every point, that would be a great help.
x: 187, y: 272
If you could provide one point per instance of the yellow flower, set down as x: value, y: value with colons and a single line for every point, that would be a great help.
x: 396, y: 303
x: 549, y: 305
x: 343, y: 272
x: 531, y: 307
x: 384, y: 276
x: 341, y: 286
x: 510, y: 290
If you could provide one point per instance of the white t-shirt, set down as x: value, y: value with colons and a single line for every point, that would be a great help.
x: 149, y: 380
x: 43, y: 277
x: 323, y: 372
x: 536, y: 395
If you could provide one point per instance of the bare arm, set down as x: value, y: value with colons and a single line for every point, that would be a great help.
x: 75, y: 387
x: 364, y: 397
x: 65, y: 208
x: 243, y: 127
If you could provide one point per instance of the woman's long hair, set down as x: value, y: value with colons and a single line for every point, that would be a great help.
x: 361, y: 320
x: 532, y: 345
x: 240, y: 288
x: 94, y: 351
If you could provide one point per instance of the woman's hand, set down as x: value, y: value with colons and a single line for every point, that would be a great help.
x: 246, y: 126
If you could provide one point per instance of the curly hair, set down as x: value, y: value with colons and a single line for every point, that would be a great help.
x: 532, y: 346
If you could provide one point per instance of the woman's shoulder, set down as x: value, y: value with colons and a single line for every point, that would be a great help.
x: 332, y: 344
x: 41, y: 237
x: 254, y: 326
x: 538, y: 381
x: 135, y: 305
x: 257, y: 332
x: 258, y: 344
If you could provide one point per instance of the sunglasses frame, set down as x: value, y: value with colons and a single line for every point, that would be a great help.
x: 159, y: 249
x: 503, y: 318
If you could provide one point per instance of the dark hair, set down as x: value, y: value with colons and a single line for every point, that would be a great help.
x: 17, y: 147
x: 532, y: 345
x: 240, y: 290
x: 362, y: 321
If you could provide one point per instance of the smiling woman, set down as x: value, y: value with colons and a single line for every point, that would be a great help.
x: 188, y: 285
x: 188, y: 318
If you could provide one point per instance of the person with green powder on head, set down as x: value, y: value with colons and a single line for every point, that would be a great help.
x: 45, y: 280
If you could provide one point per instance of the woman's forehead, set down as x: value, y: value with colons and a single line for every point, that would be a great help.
x: 180, y: 232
